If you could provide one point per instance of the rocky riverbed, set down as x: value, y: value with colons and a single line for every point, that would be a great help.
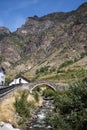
x: 37, y: 120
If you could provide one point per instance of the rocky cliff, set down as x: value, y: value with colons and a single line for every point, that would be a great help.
x: 45, y: 41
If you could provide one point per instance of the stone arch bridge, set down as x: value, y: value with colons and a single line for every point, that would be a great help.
x: 7, y: 90
x: 53, y: 85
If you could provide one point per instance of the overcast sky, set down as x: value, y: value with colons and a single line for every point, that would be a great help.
x: 13, y: 13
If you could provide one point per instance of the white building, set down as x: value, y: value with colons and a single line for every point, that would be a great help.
x: 19, y: 80
x: 2, y: 76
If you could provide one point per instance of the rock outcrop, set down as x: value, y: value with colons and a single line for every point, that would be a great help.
x: 51, y: 39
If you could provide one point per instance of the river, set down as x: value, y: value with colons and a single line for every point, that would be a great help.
x: 37, y: 120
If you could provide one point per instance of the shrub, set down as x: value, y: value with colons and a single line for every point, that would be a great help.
x: 36, y: 96
x: 37, y: 72
x: 70, y: 108
x: 66, y: 63
x: 82, y: 55
x: 38, y: 89
x: 44, y: 69
x: 1, y: 58
x: 48, y: 92
x: 7, y: 80
x: 23, y: 107
x: 57, y: 121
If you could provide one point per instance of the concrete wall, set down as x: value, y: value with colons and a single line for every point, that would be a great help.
x: 2, y: 78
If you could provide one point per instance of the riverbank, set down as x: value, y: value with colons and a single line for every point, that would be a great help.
x: 8, y: 112
x: 7, y: 126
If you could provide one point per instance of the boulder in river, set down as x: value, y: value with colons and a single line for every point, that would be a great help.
x: 7, y: 126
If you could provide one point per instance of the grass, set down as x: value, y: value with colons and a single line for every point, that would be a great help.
x: 66, y: 63
x: 63, y: 75
x: 68, y: 71
x: 7, y: 109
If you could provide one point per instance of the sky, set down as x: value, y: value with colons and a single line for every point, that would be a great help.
x: 13, y: 13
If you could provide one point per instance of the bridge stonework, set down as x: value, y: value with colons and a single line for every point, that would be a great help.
x: 53, y: 85
x: 8, y: 90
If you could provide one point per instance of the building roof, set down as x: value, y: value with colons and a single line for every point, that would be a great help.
x: 19, y: 77
x: 23, y: 78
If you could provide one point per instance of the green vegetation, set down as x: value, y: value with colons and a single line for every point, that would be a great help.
x: 42, y: 70
x: 19, y: 74
x: 37, y: 89
x: 48, y: 92
x: 66, y: 63
x: 23, y: 107
x: 36, y: 95
x: 70, y: 109
x: 82, y: 55
x: 43, y: 91
x: 7, y: 80
x: 71, y: 75
x: 63, y: 74
x: 16, y: 40
x: 1, y: 58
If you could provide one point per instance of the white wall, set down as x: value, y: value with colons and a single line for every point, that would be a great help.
x: 2, y: 78
x: 17, y: 81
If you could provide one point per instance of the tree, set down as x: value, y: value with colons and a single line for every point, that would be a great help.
x: 71, y: 108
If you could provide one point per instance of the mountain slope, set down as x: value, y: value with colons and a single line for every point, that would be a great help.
x: 45, y: 41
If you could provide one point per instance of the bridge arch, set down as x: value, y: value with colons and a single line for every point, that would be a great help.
x: 39, y: 84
